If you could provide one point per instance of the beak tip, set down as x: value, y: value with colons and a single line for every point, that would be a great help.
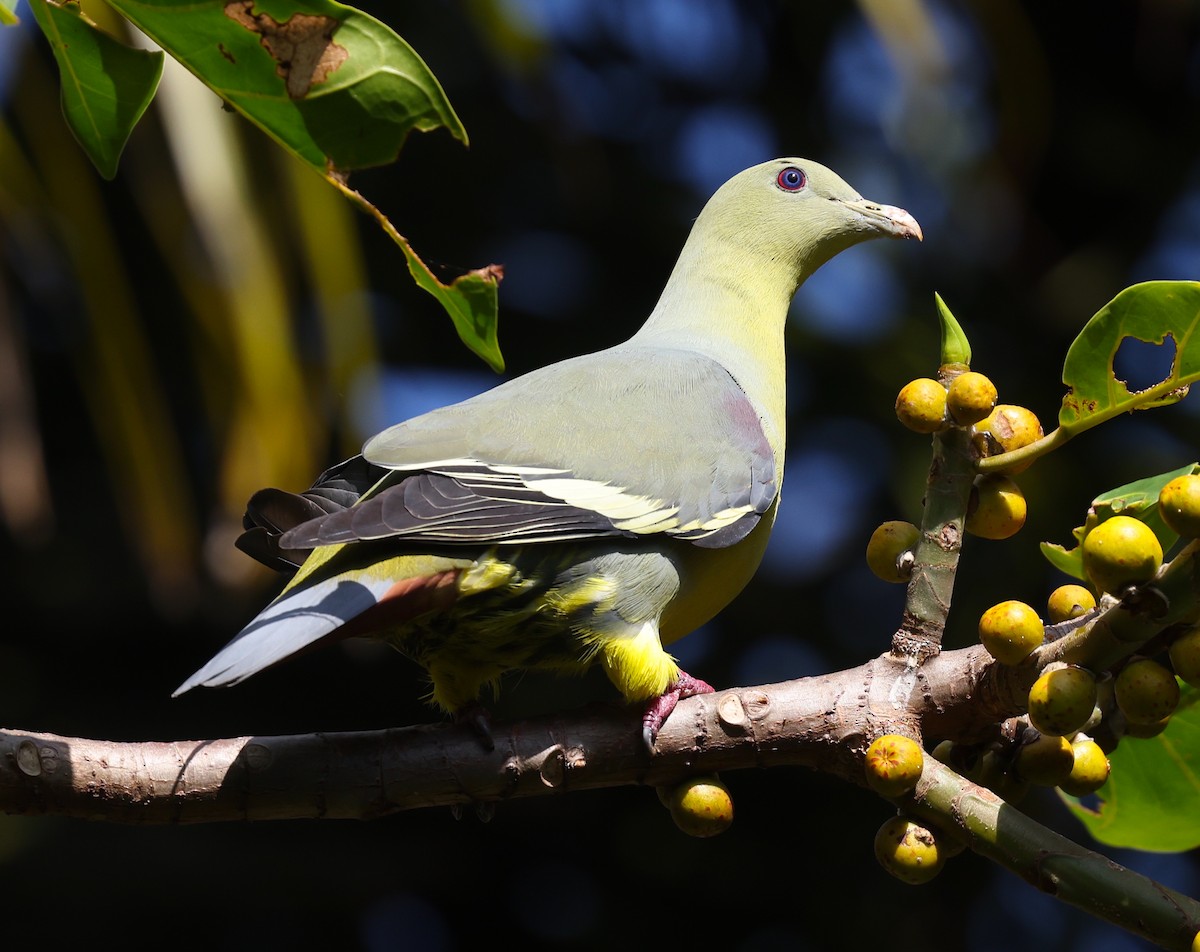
x: 904, y: 225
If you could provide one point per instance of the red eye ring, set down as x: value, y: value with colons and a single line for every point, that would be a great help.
x: 791, y: 179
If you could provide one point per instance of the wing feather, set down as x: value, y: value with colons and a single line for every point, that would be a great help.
x: 616, y: 444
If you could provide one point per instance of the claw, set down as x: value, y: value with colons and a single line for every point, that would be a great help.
x: 476, y: 717
x: 661, y: 707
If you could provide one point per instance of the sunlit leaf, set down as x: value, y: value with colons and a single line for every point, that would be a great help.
x: 1150, y: 800
x: 8, y: 13
x: 1138, y: 499
x: 1067, y: 561
x: 956, y: 349
x: 1140, y: 495
x: 331, y: 84
x: 106, y: 85
x: 1147, y: 312
x: 470, y: 299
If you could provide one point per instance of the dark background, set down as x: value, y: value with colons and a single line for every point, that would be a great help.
x: 1051, y: 153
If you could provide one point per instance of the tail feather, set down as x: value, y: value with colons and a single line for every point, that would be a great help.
x: 297, y: 620
x: 340, y: 606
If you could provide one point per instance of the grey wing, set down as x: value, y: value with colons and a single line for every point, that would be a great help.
x: 620, y: 443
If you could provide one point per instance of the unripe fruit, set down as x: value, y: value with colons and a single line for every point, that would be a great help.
x: 1062, y: 700
x: 701, y: 806
x: 921, y: 405
x: 1046, y: 761
x: 890, y: 541
x: 1010, y: 631
x: 1121, y: 551
x: 1090, y: 769
x: 1179, y: 505
x: 1185, y: 656
x: 1005, y: 429
x: 1146, y: 731
x: 893, y: 764
x: 908, y: 851
x: 1146, y: 692
x: 996, y: 509
x: 1069, y: 601
x: 970, y: 398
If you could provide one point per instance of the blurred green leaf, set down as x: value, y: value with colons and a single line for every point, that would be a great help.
x: 1138, y: 499
x: 8, y: 13
x: 956, y: 349
x: 1149, y: 802
x: 106, y: 85
x: 1147, y: 312
x: 329, y: 83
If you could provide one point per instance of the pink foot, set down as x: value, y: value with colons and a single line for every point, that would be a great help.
x: 661, y: 707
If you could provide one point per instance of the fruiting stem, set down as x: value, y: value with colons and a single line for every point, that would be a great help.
x: 947, y: 494
x: 1053, y: 863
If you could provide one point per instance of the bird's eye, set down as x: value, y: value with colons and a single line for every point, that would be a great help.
x: 791, y: 179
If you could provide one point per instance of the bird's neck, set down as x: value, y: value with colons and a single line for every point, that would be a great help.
x: 730, y: 304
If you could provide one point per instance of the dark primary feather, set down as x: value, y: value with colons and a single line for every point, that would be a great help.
x: 272, y: 512
x: 434, y: 507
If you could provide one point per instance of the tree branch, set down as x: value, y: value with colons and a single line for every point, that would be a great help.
x: 825, y: 723
x: 821, y: 722
x: 1052, y: 863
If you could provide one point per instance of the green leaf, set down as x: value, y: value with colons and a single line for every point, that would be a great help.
x: 8, y: 13
x: 956, y: 349
x: 106, y: 85
x: 1067, y: 561
x: 470, y: 299
x: 1150, y: 800
x: 329, y: 83
x: 1138, y: 500
x: 1140, y: 495
x: 1147, y: 312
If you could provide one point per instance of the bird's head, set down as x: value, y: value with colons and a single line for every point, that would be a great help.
x: 798, y: 212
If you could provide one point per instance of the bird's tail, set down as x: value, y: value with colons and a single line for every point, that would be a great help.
x: 324, y: 606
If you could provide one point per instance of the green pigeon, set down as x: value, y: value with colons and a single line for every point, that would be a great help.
x: 589, y: 512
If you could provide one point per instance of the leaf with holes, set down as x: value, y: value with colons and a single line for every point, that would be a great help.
x: 1149, y: 802
x: 1149, y: 312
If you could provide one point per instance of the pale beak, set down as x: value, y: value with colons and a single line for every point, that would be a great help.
x: 887, y: 219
